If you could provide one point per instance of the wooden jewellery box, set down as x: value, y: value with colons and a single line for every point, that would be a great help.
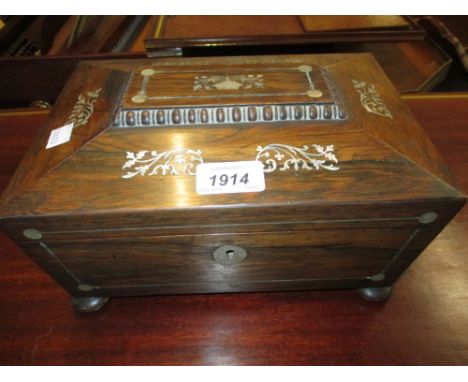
x: 111, y: 199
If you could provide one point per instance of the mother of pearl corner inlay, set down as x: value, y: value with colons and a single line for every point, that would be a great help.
x: 370, y: 99
x: 274, y: 157
x: 83, y: 108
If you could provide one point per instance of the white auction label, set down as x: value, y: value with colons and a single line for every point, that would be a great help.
x: 230, y: 177
x: 59, y: 136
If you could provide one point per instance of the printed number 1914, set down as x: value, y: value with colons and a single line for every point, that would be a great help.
x: 230, y: 177
x: 225, y: 179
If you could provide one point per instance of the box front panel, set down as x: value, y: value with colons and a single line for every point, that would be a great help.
x: 189, y: 262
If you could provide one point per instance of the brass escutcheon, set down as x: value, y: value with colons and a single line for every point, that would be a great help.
x: 229, y: 254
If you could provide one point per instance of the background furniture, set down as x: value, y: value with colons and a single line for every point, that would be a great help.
x: 34, y: 47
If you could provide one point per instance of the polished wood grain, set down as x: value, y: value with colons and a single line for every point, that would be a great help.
x: 19, y: 72
x: 39, y: 160
x: 173, y: 85
x: 427, y: 311
x: 26, y: 121
x: 346, y: 23
x: 389, y: 172
x: 231, y: 31
x: 385, y: 148
x: 412, y: 66
x: 186, y: 260
x: 222, y: 26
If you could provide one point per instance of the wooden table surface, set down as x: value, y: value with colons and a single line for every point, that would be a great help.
x: 424, y: 322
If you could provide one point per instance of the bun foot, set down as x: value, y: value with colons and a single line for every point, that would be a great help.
x: 375, y: 294
x: 88, y: 304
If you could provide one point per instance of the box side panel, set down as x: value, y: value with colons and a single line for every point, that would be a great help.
x: 378, y: 109
x: 87, y: 103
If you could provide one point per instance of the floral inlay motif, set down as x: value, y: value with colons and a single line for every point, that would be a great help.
x: 228, y: 82
x: 284, y: 157
x: 370, y: 99
x: 174, y: 162
x: 83, y: 108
